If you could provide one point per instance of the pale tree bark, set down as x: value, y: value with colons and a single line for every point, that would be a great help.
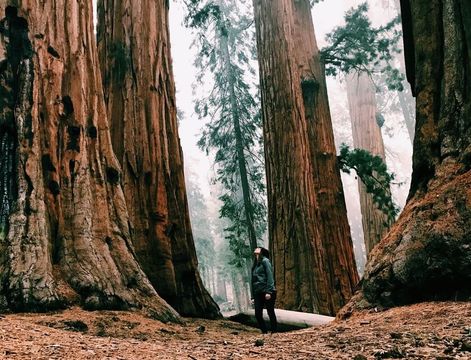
x: 367, y: 136
x: 406, y: 101
x: 221, y: 286
x: 240, y: 292
x: 426, y: 254
x: 134, y: 48
x: 305, y: 264
x: 66, y: 239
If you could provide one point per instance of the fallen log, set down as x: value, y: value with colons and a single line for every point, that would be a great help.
x: 287, y: 320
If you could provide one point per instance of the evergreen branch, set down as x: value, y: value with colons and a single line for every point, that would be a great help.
x: 373, y: 173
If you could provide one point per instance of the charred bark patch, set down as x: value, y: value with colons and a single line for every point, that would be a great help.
x: 112, y: 175
x: 108, y: 241
x: 53, y: 52
x: 119, y: 60
x: 16, y: 78
x: 92, y: 132
x: 74, y: 138
x: 310, y: 90
x: 148, y: 178
x: 47, y: 163
x: 68, y: 105
x: 8, y: 188
x: 309, y: 85
x: 54, y: 187
x: 72, y: 170
x: 132, y: 283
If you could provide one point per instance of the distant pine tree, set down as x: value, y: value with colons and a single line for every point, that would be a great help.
x: 225, y: 43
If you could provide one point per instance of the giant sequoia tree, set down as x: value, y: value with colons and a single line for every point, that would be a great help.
x: 367, y: 135
x: 64, y: 232
x: 139, y: 91
x: 426, y: 255
x: 309, y: 232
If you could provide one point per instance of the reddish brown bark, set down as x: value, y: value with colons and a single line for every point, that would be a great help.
x: 68, y: 238
x: 305, y: 263
x: 332, y: 210
x: 366, y: 135
x: 426, y: 253
x: 136, y: 64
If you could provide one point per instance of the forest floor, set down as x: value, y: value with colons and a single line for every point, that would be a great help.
x: 439, y: 330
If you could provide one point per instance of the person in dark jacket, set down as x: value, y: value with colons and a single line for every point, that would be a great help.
x: 263, y: 289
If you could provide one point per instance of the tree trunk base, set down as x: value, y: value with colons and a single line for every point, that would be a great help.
x: 427, y: 253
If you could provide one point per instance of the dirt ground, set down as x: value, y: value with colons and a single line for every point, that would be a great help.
x: 424, y: 331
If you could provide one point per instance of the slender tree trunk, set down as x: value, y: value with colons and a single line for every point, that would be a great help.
x: 66, y: 237
x: 136, y: 64
x: 426, y: 254
x: 367, y: 136
x: 304, y: 265
x: 236, y: 293
x: 248, y: 208
x: 221, y: 286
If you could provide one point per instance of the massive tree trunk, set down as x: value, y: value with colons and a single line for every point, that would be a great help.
x: 135, y: 58
x: 332, y: 210
x: 64, y: 226
x: 427, y: 255
x: 305, y: 265
x: 366, y: 135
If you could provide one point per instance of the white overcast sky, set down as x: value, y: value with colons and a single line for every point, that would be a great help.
x: 326, y: 16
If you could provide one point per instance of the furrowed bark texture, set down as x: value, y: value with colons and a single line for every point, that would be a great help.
x: 67, y: 238
x: 332, y: 210
x: 427, y: 255
x: 304, y: 273
x: 367, y: 136
x: 134, y: 48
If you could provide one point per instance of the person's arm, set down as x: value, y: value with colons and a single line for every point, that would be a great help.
x: 270, y: 279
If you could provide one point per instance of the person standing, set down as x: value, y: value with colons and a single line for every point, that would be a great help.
x: 263, y: 289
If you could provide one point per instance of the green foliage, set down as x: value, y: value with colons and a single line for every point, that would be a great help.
x: 225, y: 43
x: 358, y: 46
x: 199, y: 15
x: 374, y: 174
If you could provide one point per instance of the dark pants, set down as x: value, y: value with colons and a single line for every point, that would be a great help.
x: 259, y: 303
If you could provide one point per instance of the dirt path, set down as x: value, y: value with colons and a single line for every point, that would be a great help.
x: 425, y: 331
